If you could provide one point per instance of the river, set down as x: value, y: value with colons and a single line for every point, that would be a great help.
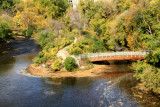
x: 109, y: 90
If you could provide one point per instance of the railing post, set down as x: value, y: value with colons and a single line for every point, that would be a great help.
x: 98, y: 56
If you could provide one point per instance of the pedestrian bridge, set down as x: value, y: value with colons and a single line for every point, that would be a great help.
x: 94, y: 57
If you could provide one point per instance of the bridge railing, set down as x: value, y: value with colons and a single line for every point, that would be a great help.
x: 110, y: 54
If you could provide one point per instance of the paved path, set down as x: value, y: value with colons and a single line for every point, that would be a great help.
x: 63, y: 52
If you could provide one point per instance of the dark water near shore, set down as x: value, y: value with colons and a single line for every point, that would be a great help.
x: 109, y: 90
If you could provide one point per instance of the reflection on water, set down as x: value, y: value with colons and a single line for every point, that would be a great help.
x: 90, y: 92
x: 120, y: 66
x: 110, y: 90
x: 6, y: 65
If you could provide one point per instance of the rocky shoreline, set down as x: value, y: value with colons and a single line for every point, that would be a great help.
x: 97, y: 70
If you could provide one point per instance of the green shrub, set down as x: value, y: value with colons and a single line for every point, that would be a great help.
x: 96, y: 45
x: 69, y: 63
x: 30, y: 31
x: 45, y: 37
x: 150, y: 79
x: 148, y: 75
x: 139, y: 67
x: 75, y: 51
x: 40, y: 59
x: 62, y: 42
x: 57, y: 64
x: 5, y: 31
x: 9, y: 5
x: 86, y: 45
x: 24, y: 32
x: 48, y: 46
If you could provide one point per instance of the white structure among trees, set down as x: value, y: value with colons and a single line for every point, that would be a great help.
x: 76, y: 2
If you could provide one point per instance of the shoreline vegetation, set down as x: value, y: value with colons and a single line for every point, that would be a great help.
x: 2, y: 43
x: 116, y: 25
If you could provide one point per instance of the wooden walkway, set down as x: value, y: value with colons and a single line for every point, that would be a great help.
x: 93, y: 57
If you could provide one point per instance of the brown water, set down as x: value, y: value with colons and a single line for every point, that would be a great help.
x: 109, y: 90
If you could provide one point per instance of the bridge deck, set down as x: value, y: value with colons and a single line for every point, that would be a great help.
x: 113, y: 56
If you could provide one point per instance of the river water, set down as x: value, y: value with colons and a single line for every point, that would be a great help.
x: 109, y: 90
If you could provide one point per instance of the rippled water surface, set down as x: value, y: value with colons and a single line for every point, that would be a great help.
x: 109, y: 90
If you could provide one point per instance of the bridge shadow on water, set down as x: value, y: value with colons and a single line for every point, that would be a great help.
x: 118, y: 62
x: 117, y: 66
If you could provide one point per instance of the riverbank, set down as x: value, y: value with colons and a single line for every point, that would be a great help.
x: 97, y: 70
x: 4, y: 46
x: 144, y: 96
x: 2, y: 43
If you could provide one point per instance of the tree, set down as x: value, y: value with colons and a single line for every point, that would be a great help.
x: 52, y: 8
x: 28, y: 17
x: 8, y: 5
x: 98, y: 24
x: 122, y: 5
x: 38, y: 13
x: 57, y: 64
x: 5, y: 31
x: 69, y: 63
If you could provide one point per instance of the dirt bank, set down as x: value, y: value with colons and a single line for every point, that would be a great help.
x: 43, y: 72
